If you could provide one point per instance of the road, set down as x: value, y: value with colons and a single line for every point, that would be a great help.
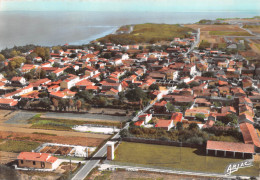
x: 194, y: 44
x: 200, y: 174
x: 85, y: 170
x: 92, y: 163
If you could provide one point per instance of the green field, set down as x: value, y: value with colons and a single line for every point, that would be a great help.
x: 18, y: 146
x: 229, y: 33
x: 149, y: 33
x: 63, y: 124
x: 187, y: 159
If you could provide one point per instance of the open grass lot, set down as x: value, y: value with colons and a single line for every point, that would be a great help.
x: 18, y: 146
x: 149, y: 33
x: 65, y: 124
x: 229, y: 33
x: 187, y: 159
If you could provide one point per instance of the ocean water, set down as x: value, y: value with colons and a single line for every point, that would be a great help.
x: 58, y: 28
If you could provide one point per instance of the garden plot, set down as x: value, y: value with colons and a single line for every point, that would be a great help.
x: 65, y: 150
x: 96, y: 129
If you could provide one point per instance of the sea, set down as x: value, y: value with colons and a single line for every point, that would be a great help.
x: 76, y: 28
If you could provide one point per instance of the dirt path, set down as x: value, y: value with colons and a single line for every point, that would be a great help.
x: 43, y: 138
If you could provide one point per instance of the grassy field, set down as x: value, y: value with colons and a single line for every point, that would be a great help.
x: 228, y: 33
x: 18, y: 146
x: 189, y: 159
x: 149, y: 33
x: 64, y: 124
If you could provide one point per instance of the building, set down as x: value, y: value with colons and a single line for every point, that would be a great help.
x: 37, y: 160
x: 165, y: 124
x: 146, y: 118
x: 110, y: 150
x: 18, y: 81
x: 230, y: 149
x: 8, y: 103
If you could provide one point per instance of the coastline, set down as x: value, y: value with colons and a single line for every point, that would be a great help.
x: 83, y: 27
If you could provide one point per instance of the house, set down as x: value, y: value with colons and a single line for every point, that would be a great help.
x: 176, y: 117
x: 191, y: 113
x: 145, y: 117
x: 246, y: 83
x: 69, y: 82
x: 63, y: 94
x: 139, y: 123
x: 160, y: 107
x: 108, y: 86
x: 37, y: 85
x: 59, y: 71
x: 165, y: 124
x: 18, y: 81
x: 27, y: 68
x: 112, y: 92
x: 245, y: 118
x: 8, y: 103
x: 37, y: 161
x: 249, y: 134
x: 84, y: 83
x: 202, y: 102
x: 37, y: 59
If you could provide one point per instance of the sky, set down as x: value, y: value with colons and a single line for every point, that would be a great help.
x: 131, y: 5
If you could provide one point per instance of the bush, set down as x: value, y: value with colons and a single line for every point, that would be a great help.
x: 200, y: 117
x: 195, y: 140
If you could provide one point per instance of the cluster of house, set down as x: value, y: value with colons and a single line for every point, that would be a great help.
x: 94, y: 74
x: 232, y: 88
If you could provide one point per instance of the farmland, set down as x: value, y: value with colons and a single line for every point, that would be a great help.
x: 148, y: 33
x: 188, y: 159
x: 73, y: 138
x: 18, y: 146
x: 229, y: 33
x: 215, y: 27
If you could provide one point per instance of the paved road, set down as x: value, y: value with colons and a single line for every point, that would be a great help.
x: 85, y: 170
x: 21, y: 117
x: 194, y: 44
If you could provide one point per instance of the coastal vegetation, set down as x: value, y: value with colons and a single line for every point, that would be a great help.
x: 149, y: 33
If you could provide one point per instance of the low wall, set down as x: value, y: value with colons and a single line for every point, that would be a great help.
x: 162, y: 142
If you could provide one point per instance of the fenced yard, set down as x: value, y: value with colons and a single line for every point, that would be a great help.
x: 177, y: 158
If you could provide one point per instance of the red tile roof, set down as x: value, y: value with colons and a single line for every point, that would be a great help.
x: 16, y: 79
x: 249, y: 134
x: 139, y: 123
x: 32, y: 156
x: 163, y: 123
x: 10, y: 102
x: 177, y: 116
x: 230, y: 146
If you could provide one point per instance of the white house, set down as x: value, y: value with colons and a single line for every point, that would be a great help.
x: 146, y: 118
